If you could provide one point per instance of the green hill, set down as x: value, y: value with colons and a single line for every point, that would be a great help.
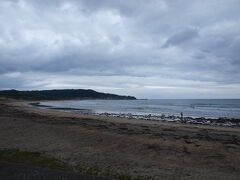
x: 62, y: 94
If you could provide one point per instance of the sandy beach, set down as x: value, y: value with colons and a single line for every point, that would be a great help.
x: 137, y: 148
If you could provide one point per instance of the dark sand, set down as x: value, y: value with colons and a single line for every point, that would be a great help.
x: 121, y: 146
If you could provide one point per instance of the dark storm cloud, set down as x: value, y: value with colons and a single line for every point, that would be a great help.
x: 194, y: 41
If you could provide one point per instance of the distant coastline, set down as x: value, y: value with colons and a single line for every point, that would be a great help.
x: 61, y: 94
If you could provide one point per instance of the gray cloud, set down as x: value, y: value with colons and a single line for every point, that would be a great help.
x: 181, y: 37
x: 194, y: 41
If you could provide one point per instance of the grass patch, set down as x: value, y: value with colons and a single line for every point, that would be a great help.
x: 32, y: 158
x: 3, y: 99
x: 42, y: 160
x: 98, y: 172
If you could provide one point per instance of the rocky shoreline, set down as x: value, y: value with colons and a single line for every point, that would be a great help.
x: 173, y: 118
x: 221, y: 121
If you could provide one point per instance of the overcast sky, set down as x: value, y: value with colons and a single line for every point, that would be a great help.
x: 145, y: 48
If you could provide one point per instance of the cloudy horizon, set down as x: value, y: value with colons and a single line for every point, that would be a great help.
x: 148, y: 49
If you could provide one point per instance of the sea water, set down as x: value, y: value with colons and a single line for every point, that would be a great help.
x: 209, y: 108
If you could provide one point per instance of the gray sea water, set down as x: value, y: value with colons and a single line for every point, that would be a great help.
x: 213, y: 108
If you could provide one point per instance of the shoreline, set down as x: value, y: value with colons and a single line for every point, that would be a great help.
x: 220, y: 121
x: 137, y: 148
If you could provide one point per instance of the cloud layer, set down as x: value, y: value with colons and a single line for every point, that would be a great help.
x: 153, y: 49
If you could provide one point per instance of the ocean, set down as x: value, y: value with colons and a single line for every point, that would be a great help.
x: 208, y: 108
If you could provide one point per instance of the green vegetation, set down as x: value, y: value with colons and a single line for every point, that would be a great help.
x: 63, y: 94
x: 32, y: 158
x: 42, y: 160
x: 3, y: 99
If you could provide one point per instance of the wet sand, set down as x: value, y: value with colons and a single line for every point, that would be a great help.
x: 138, y: 148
